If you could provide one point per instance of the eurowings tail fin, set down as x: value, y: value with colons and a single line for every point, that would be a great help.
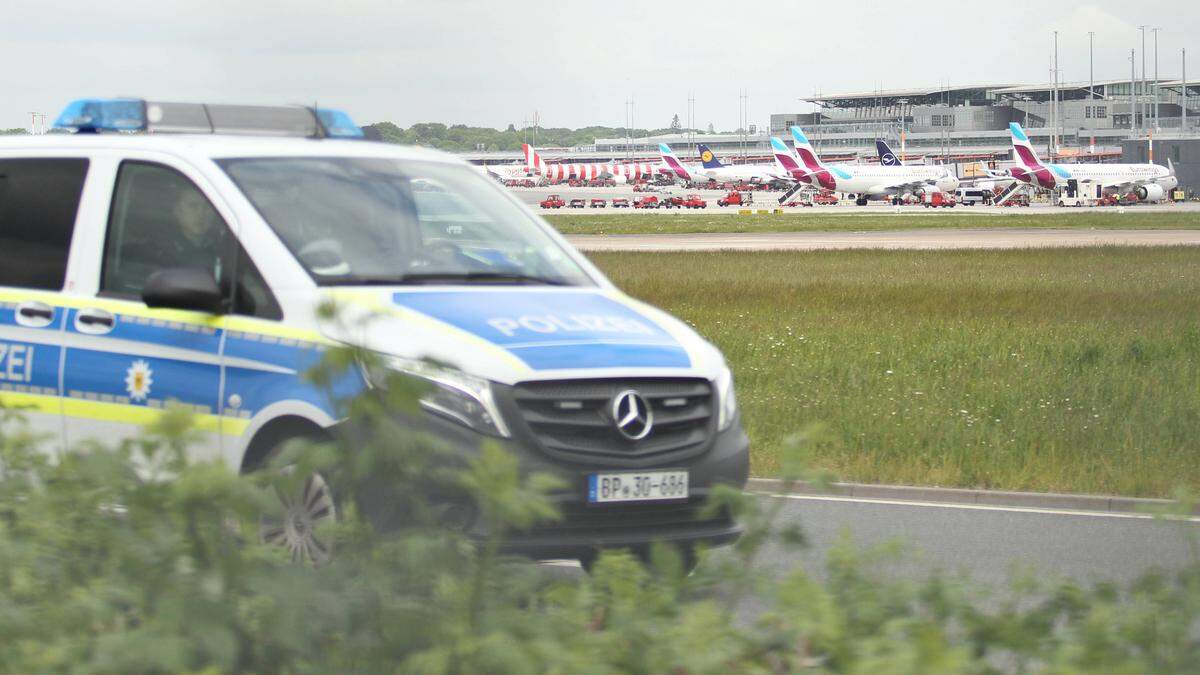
x: 1022, y: 149
x: 672, y: 162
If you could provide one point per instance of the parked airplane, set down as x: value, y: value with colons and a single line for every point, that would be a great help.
x: 505, y: 171
x: 1149, y: 182
x: 713, y: 169
x: 621, y: 173
x: 862, y: 182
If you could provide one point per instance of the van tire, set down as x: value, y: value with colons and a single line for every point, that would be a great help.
x: 295, y: 527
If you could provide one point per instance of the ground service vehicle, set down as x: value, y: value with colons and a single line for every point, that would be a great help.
x: 649, y: 202
x: 553, y: 202
x: 934, y: 199
x: 577, y: 204
x: 620, y: 203
x: 734, y: 198
x: 695, y: 202
x: 825, y: 198
x: 969, y: 196
x: 670, y: 202
x: 140, y: 269
x: 598, y: 203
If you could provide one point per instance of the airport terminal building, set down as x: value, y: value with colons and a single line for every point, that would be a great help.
x: 1103, y: 121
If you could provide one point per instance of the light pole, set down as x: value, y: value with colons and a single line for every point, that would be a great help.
x: 1091, y: 60
x: 1143, y: 80
x: 903, y: 114
x: 1132, y: 86
x: 1155, y: 31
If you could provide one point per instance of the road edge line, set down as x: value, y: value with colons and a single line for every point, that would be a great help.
x: 971, y: 496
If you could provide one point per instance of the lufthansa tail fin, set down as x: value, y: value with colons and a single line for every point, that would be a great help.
x: 886, y: 156
x: 707, y: 157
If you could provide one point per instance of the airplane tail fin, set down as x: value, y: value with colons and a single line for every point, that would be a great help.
x: 808, y: 155
x: 1022, y: 149
x: 886, y: 156
x: 533, y: 161
x: 786, y: 159
x: 1170, y: 167
x: 672, y: 162
x: 707, y: 157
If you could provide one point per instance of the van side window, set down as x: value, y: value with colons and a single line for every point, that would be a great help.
x: 39, y: 199
x: 159, y: 220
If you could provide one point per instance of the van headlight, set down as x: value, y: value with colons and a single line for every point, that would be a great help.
x: 726, y: 400
x: 452, y: 394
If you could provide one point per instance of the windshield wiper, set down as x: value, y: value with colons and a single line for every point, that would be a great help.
x: 479, y: 277
x: 362, y: 280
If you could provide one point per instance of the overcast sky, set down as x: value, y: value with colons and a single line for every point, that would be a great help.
x: 494, y: 63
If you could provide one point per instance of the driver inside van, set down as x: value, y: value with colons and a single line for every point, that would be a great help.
x: 196, y: 237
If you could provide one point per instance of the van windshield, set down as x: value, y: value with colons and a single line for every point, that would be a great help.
x: 366, y: 221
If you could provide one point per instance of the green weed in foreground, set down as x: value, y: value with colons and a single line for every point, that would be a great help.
x: 1063, y: 370
x: 823, y: 221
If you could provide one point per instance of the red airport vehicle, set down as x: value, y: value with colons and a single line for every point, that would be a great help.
x: 671, y: 202
x: 734, y: 198
x: 598, y: 203
x: 799, y: 202
x: 577, y: 204
x: 620, y: 203
x: 648, y: 202
x: 553, y: 202
x: 695, y: 202
x: 825, y: 198
x: 936, y: 199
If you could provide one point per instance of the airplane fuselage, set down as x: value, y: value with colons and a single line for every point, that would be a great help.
x: 876, y: 180
x: 1050, y: 176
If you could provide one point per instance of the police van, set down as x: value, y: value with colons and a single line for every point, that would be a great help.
x: 178, y: 254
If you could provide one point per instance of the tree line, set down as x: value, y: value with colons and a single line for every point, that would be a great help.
x: 463, y: 138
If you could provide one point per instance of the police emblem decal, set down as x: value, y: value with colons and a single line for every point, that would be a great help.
x: 138, y: 379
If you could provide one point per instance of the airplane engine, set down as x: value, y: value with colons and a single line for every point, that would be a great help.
x: 620, y: 179
x: 1151, y: 192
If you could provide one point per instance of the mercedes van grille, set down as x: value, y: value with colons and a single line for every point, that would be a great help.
x: 575, y: 419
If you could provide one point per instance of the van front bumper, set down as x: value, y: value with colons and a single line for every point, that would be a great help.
x: 584, y: 527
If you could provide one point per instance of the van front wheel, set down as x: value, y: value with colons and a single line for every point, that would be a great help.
x: 305, y: 509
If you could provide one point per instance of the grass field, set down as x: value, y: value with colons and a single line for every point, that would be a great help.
x: 692, y: 222
x: 1058, y: 370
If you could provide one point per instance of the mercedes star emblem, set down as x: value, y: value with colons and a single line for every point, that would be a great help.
x: 632, y: 415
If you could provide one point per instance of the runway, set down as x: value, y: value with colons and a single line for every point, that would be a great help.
x: 927, y: 239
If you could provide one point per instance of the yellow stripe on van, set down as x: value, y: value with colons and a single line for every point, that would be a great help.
x: 115, y: 412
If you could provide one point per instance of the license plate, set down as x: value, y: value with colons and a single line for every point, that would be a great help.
x: 644, y: 486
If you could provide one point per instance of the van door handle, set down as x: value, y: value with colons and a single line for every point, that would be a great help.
x: 37, y: 310
x: 94, y: 321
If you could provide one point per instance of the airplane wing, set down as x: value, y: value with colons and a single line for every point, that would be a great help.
x: 902, y: 186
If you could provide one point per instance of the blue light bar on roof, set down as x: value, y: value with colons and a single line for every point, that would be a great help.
x: 94, y: 114
x: 337, y: 123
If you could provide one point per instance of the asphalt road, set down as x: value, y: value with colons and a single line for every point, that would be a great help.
x: 986, y: 543
x: 902, y: 239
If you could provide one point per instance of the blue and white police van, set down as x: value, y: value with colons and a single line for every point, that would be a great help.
x: 178, y: 254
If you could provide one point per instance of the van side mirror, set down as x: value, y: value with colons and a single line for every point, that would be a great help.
x: 183, y: 288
